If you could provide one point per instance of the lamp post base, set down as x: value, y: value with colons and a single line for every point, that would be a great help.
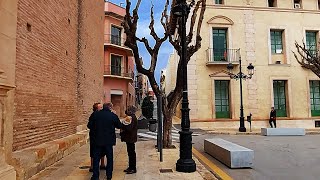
x: 186, y: 165
x: 242, y: 129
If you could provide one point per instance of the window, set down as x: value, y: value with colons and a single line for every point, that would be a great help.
x: 222, y: 98
x: 297, y: 4
x: 272, y: 3
x: 315, y: 97
x: 276, y: 41
x: 279, y: 98
x: 318, y: 4
x: 115, y: 35
x: 219, y: 2
x: 115, y: 65
x: 311, y: 41
x: 219, y: 44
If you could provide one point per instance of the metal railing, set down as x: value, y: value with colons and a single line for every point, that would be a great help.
x: 114, y: 39
x: 118, y: 71
x: 223, y: 55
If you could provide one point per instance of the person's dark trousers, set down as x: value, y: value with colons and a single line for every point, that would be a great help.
x: 274, y: 122
x: 99, y: 151
x: 132, y: 156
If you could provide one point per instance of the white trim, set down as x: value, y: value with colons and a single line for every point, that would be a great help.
x: 116, y: 92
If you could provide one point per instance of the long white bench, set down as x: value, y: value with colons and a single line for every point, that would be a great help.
x: 230, y: 154
x: 283, y: 131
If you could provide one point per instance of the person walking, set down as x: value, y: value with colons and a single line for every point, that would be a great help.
x: 129, y: 135
x: 96, y: 107
x: 273, y: 117
x: 104, y: 137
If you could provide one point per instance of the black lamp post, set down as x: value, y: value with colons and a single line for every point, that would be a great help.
x: 185, y: 163
x: 241, y: 76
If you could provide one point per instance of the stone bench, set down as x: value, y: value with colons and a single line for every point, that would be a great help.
x: 230, y: 154
x: 283, y: 131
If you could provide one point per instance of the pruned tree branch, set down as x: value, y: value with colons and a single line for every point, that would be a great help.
x: 307, y: 58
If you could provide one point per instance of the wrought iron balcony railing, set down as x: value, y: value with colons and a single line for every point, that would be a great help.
x: 218, y: 56
x: 114, y: 39
x: 118, y: 71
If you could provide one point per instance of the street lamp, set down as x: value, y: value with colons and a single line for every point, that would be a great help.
x: 241, y: 76
x: 185, y: 163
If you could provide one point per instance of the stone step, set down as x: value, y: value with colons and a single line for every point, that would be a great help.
x: 283, y: 131
x: 230, y: 154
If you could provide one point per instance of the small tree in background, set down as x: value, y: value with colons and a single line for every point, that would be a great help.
x: 308, y: 58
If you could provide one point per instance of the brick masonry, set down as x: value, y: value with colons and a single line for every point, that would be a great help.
x: 58, y: 68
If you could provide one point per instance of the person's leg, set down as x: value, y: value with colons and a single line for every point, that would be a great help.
x: 91, y: 155
x: 109, y: 155
x: 96, y: 159
x: 275, y: 124
x: 270, y: 122
x: 132, y: 158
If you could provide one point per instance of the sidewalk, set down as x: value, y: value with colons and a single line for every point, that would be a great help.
x: 75, y: 166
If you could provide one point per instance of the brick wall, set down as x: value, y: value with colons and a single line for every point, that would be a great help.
x: 58, y: 68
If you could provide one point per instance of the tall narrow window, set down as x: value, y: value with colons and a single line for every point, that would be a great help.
x: 115, y: 35
x: 318, y: 4
x: 222, y: 99
x: 220, y: 44
x: 115, y: 65
x: 311, y: 41
x: 276, y: 41
x: 272, y: 3
x: 219, y: 2
x: 315, y: 97
x: 279, y: 97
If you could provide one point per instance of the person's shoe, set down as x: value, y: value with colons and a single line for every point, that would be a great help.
x: 126, y: 170
x: 103, y: 167
x: 130, y: 171
x: 109, y: 178
x: 90, y: 170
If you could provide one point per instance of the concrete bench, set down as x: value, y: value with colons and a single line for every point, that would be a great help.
x: 283, y: 131
x: 230, y: 154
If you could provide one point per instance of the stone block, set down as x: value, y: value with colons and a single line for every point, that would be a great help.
x: 283, y: 131
x: 230, y: 154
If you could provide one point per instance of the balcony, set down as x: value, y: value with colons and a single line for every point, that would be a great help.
x: 222, y: 56
x: 116, y: 42
x: 118, y: 72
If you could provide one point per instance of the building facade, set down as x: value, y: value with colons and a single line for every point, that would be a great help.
x: 262, y: 33
x: 50, y: 75
x: 118, y: 61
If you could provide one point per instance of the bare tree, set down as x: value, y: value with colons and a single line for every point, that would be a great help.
x: 130, y: 27
x: 309, y: 59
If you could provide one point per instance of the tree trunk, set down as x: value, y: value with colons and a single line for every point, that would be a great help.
x: 167, y: 120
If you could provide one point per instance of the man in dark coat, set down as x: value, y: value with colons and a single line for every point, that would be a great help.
x: 104, y: 138
x: 273, y: 117
x: 129, y: 135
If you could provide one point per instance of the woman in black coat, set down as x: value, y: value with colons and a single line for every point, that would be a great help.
x: 129, y: 135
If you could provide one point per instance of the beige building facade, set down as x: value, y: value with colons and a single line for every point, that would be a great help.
x: 262, y: 33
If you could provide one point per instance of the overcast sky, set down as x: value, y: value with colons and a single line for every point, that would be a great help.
x: 143, y: 31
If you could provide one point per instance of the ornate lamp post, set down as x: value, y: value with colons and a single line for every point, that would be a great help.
x: 185, y: 163
x: 241, y: 76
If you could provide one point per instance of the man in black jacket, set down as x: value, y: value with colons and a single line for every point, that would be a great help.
x: 104, y: 138
x: 273, y: 117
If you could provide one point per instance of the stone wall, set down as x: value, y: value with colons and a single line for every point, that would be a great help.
x: 58, y: 68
